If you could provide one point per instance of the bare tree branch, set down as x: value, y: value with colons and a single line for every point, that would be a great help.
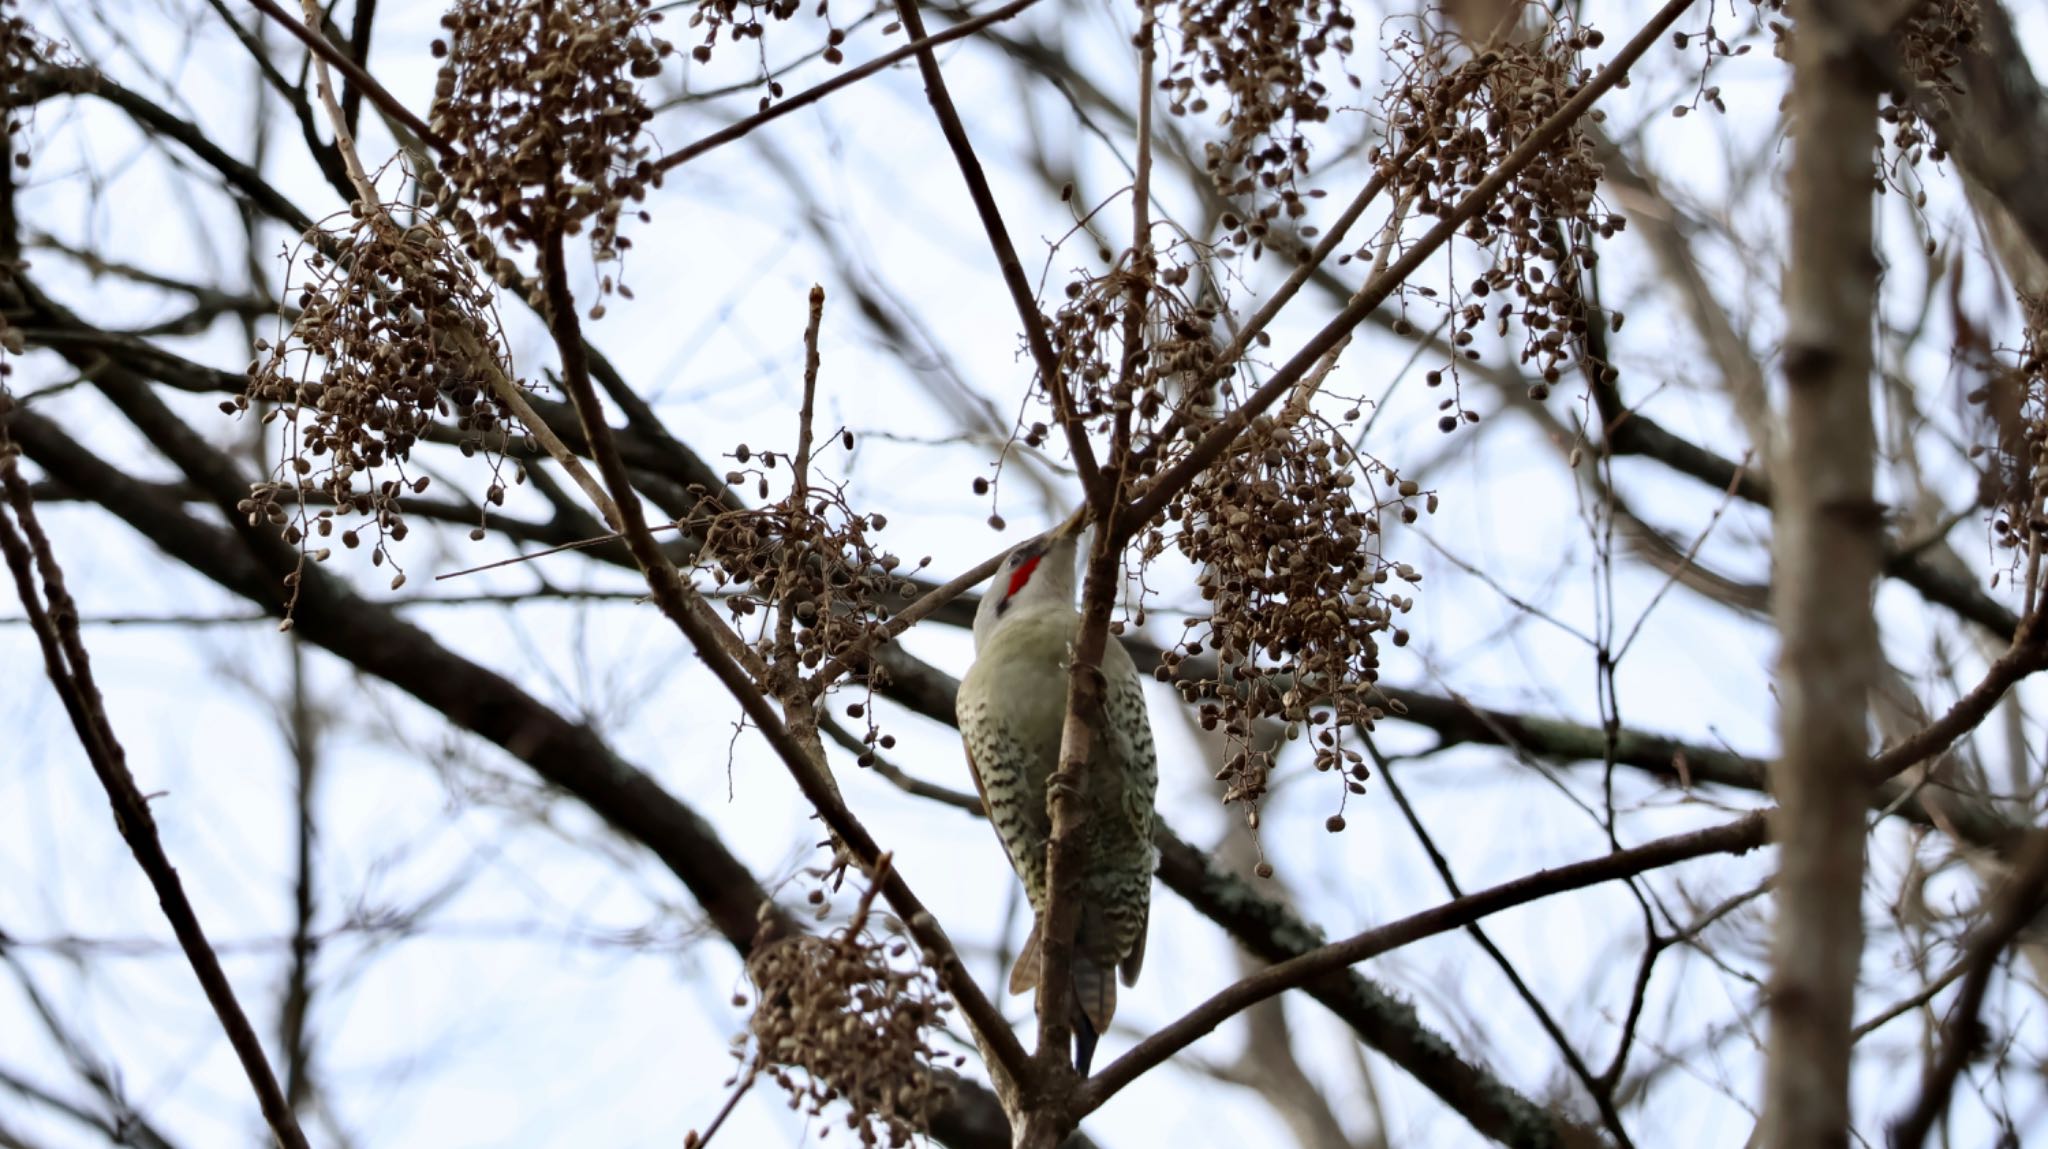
x: 53, y: 616
x: 571, y: 756
x: 1739, y: 836
x: 2013, y: 908
x: 740, y: 129
x: 1826, y: 543
x: 1161, y: 489
x: 1021, y: 295
x: 359, y: 79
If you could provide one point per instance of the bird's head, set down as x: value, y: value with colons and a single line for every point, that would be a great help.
x: 1037, y: 574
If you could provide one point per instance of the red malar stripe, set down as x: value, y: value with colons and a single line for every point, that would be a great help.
x: 1022, y: 575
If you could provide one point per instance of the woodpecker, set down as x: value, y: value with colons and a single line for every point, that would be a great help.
x: 1012, y: 707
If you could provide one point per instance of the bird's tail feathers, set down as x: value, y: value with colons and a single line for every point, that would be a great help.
x: 1024, y: 975
x: 1094, y: 995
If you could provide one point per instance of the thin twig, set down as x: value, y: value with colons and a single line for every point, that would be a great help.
x: 1691, y: 553
x: 2013, y: 908
x: 2027, y: 655
x: 800, y: 709
x: 1602, y: 1097
x: 1124, y: 397
x: 851, y: 76
x: 798, y: 703
x: 1035, y: 334
x: 897, y: 776
x: 740, y: 670
x: 699, y: 1141
x: 323, y: 49
x: 579, y: 544
x: 1161, y: 490
x: 1909, y: 1003
x: 904, y: 619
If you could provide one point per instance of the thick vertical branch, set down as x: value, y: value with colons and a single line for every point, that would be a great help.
x: 1827, y: 543
x: 1049, y: 1120
x: 1066, y: 794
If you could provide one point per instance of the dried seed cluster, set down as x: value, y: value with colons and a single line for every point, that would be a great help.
x: 815, y: 562
x: 848, y: 1018
x: 1448, y: 129
x: 21, y: 51
x: 1286, y: 532
x: 1177, y: 345
x: 1930, y: 39
x: 395, y: 331
x: 1263, y: 60
x: 1713, y: 49
x: 543, y: 98
x: 744, y: 20
x: 1284, y: 528
x: 2014, y: 402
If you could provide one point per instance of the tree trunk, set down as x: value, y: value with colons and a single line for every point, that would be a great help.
x: 1826, y: 551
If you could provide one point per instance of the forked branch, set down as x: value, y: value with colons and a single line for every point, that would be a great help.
x: 2014, y: 907
x: 716, y: 643
x: 1735, y: 837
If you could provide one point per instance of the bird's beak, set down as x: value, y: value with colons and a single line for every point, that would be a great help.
x: 1072, y: 527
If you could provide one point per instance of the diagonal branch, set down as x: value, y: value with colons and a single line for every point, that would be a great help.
x: 917, y: 47
x: 28, y: 552
x: 2027, y: 655
x: 1169, y: 483
x: 1601, y: 1093
x: 1035, y: 335
x: 2014, y: 907
x: 360, y: 80
x: 1736, y: 837
x: 737, y: 668
x: 376, y: 641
